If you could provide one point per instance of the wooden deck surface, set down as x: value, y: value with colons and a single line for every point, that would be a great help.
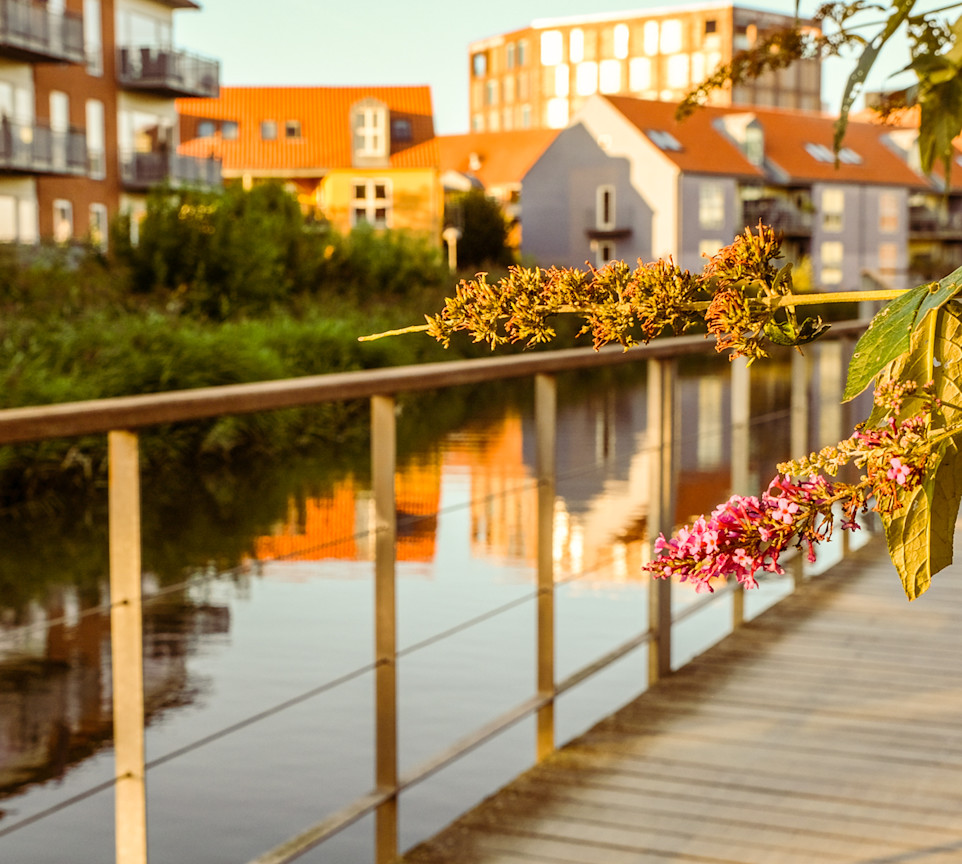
x: 829, y: 729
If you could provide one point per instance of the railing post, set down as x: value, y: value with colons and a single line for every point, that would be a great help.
x: 127, y: 647
x: 545, y: 402
x: 383, y: 459
x: 741, y: 445
x: 800, y: 410
x: 661, y: 507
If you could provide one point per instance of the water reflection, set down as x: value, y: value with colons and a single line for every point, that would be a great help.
x: 294, y: 611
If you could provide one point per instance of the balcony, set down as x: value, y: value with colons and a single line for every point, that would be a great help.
x: 142, y: 171
x: 935, y: 224
x: 28, y: 32
x: 619, y: 230
x: 34, y: 148
x: 167, y: 72
x: 782, y: 215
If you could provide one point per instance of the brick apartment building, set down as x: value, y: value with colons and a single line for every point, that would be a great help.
x: 87, y: 113
x: 541, y: 75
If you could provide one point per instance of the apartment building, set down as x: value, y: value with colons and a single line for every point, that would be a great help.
x: 88, y: 122
x: 541, y: 75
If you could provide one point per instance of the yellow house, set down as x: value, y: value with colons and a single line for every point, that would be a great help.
x: 352, y: 155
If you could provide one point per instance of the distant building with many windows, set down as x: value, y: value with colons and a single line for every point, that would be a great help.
x: 541, y: 75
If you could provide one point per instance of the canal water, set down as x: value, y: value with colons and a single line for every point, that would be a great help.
x: 262, y: 597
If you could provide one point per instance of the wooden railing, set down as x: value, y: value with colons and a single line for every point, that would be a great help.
x: 120, y: 419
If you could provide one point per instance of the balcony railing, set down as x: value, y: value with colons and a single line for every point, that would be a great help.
x: 167, y: 72
x: 781, y: 215
x: 28, y: 31
x: 141, y: 171
x: 35, y: 148
x: 924, y: 220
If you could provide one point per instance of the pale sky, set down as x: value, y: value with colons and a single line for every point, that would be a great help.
x: 319, y: 42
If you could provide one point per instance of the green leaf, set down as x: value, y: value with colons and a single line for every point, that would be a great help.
x: 787, y: 333
x: 890, y: 332
x: 920, y: 535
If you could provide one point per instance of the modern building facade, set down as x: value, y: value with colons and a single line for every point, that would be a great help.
x: 541, y: 75
x: 352, y: 155
x: 87, y: 113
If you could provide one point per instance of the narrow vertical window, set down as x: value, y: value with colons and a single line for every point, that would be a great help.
x: 62, y: 220
x: 605, y: 208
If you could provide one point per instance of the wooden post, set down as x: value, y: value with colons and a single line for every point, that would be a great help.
x: 741, y: 446
x: 545, y: 402
x: 383, y: 459
x: 799, y: 419
x: 661, y: 506
x: 127, y: 647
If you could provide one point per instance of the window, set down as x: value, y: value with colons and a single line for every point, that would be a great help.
x: 401, y: 129
x: 509, y: 55
x: 206, y: 129
x: 605, y: 252
x: 93, y: 47
x: 888, y: 212
x: 96, y: 154
x: 576, y: 45
x: 651, y: 38
x: 888, y: 258
x: 371, y: 203
x: 820, y: 153
x: 711, y: 206
x: 711, y: 26
x: 663, y: 140
x: 229, y: 130
x: 848, y: 156
x: 8, y: 219
x: 670, y: 42
x: 98, y: 226
x: 525, y: 116
x: 491, y: 93
x: 552, y: 47
x: 557, y: 115
x: 832, y: 254
x: 707, y: 248
x: 639, y: 73
x: 561, y: 85
x: 605, y: 208
x: 370, y: 126
x: 59, y: 126
x: 27, y: 227
x: 586, y: 79
x: 609, y: 78
x: 523, y: 52
x: 678, y: 74
x: 479, y: 64
x: 62, y: 220
x: 509, y: 91
x: 292, y: 129
x: 268, y: 130
x: 621, y: 41
x: 833, y: 209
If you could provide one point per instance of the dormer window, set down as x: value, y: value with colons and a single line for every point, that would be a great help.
x: 401, y: 129
x: 292, y: 129
x: 371, y: 132
x: 268, y: 130
x: 663, y: 140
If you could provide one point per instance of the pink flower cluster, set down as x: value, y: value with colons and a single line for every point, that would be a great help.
x: 747, y: 534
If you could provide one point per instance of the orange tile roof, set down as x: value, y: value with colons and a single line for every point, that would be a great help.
x: 323, y: 112
x: 787, y: 132
x: 505, y: 157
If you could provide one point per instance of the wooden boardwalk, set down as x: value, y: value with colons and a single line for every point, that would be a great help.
x: 829, y: 729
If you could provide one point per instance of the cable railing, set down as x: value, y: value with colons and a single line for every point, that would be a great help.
x: 120, y: 418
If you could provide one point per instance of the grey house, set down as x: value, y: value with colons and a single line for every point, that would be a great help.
x: 626, y: 180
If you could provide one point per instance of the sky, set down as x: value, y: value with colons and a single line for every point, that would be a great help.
x: 357, y: 42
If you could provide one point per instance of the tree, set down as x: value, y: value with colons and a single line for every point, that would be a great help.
x: 909, y: 451
x: 484, y: 231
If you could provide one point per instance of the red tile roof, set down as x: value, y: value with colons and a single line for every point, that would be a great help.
x: 504, y: 157
x: 787, y: 134
x: 324, y: 116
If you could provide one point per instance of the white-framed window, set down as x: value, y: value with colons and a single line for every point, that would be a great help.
x: 509, y: 55
x: 98, y: 226
x: 586, y: 78
x: 576, y: 45
x: 888, y: 212
x: 523, y: 52
x: 832, y: 255
x: 833, y: 209
x: 678, y: 71
x: 557, y: 113
x: 711, y: 205
x: 59, y: 125
x: 62, y: 220
x: 93, y: 45
x: 491, y: 91
x: 670, y: 42
x: 605, y: 252
x: 651, y: 38
x: 96, y: 152
x: 605, y: 208
x: 552, y: 47
x: 609, y: 76
x: 621, y: 41
x: 639, y: 74
x: 561, y: 84
x: 371, y: 202
x: 370, y: 130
